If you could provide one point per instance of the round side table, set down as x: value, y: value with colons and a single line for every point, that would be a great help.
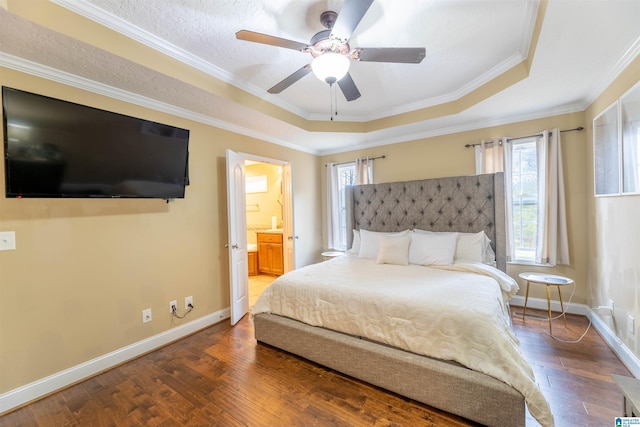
x: 548, y: 280
x: 330, y: 254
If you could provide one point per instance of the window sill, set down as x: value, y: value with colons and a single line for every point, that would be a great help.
x: 530, y: 263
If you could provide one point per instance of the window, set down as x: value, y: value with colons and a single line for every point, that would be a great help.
x: 339, y: 175
x: 524, y: 198
x: 616, y: 147
x: 536, y: 225
x: 346, y: 176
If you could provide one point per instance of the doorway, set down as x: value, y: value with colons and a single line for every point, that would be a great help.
x: 264, y: 224
x: 237, y: 217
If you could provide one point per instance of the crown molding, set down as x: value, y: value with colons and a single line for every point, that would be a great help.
x: 109, y: 20
x: 625, y: 60
x: 53, y: 74
x: 482, y: 124
x: 49, y: 73
x: 119, y: 25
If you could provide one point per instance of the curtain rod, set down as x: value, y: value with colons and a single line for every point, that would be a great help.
x: 531, y: 136
x: 370, y: 158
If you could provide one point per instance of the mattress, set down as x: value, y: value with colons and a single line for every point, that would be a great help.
x: 455, y: 313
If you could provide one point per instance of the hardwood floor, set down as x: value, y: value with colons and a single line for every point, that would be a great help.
x: 574, y: 377
x: 221, y: 377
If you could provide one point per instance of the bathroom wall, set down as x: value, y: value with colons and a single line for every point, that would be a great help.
x: 263, y: 206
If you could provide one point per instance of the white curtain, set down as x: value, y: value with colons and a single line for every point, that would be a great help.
x: 495, y: 156
x: 364, y: 171
x: 333, y: 207
x: 552, y: 242
x: 489, y: 156
x: 508, y: 206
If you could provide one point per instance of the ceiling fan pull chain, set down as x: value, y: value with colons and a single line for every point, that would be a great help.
x: 335, y: 97
x: 331, y: 101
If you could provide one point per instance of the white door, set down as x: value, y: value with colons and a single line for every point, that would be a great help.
x: 236, y: 210
x: 287, y: 218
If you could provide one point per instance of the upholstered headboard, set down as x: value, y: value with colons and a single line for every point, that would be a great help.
x: 464, y: 203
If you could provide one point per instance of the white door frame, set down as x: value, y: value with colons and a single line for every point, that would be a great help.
x: 237, y: 245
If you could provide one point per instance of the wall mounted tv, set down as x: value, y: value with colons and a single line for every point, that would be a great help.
x: 55, y: 148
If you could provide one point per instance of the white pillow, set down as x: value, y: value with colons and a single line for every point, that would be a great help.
x: 369, y: 242
x: 471, y: 247
x: 393, y: 249
x: 355, y: 245
x: 432, y: 249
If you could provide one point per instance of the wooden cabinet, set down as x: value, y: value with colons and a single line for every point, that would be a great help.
x: 270, y: 259
x: 252, y: 258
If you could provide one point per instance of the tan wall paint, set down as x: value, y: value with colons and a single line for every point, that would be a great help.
x: 447, y: 156
x: 614, y: 232
x: 84, y: 269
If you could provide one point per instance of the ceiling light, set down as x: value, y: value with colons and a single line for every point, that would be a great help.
x: 330, y: 67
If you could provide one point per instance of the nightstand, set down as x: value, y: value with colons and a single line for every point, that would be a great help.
x: 330, y: 254
x: 548, y: 280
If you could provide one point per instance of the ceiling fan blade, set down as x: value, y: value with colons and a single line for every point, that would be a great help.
x: 349, y: 18
x: 252, y: 36
x: 409, y: 55
x: 291, y: 79
x: 348, y: 88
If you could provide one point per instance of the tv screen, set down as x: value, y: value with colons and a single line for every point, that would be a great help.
x: 55, y: 148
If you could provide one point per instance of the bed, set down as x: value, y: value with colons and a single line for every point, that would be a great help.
x: 404, y: 326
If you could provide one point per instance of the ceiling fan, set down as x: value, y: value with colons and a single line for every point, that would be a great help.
x: 331, y: 52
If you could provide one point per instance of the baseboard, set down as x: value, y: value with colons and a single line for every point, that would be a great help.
x: 541, y: 304
x: 42, y: 387
x: 625, y: 355
x: 37, y: 389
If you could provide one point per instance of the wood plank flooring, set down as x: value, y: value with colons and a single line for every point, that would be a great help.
x: 221, y: 377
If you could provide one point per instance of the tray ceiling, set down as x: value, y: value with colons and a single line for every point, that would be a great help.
x: 488, y: 62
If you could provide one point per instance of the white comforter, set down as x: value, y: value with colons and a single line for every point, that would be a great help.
x: 452, y: 313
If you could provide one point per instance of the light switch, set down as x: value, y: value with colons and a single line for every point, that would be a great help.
x: 7, y: 240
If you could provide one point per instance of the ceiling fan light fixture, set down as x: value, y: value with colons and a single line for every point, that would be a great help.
x: 330, y: 67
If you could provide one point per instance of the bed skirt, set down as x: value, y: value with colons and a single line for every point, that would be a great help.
x: 440, y: 384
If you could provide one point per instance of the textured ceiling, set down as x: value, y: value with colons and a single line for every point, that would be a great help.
x: 577, y: 49
x: 467, y: 43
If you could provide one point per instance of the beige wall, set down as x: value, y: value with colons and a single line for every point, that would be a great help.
x: 447, y: 156
x: 614, y: 232
x: 84, y: 269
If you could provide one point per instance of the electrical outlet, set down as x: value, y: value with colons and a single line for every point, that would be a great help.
x: 173, y: 306
x: 188, y: 301
x: 146, y: 315
x: 7, y: 240
x: 631, y: 325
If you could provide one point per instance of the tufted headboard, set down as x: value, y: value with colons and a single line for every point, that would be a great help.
x: 464, y: 203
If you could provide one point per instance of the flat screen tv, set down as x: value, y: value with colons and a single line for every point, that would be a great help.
x: 55, y: 148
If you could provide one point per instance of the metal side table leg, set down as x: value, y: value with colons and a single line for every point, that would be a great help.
x: 526, y: 298
x: 549, y: 308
